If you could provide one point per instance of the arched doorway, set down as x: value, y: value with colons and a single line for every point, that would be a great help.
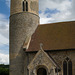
x: 41, y: 71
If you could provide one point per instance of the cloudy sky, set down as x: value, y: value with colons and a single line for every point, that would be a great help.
x: 50, y: 11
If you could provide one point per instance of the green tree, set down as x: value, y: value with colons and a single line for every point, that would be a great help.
x: 4, y: 71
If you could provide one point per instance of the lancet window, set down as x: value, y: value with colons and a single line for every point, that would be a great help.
x: 25, y: 5
x: 67, y: 67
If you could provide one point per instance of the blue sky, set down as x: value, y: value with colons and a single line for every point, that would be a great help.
x: 4, y: 31
x: 50, y: 11
x: 4, y: 9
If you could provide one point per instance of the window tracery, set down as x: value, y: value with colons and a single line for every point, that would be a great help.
x: 67, y: 67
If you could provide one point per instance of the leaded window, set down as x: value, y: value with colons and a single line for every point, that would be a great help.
x: 67, y: 67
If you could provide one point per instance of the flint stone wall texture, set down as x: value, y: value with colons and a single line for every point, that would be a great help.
x: 21, y: 26
x: 58, y: 56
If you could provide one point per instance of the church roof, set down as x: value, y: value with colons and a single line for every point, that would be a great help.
x: 55, y: 36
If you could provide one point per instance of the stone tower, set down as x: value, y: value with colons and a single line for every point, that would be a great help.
x: 24, y: 20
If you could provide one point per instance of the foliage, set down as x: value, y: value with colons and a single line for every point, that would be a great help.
x: 4, y: 69
x: 4, y: 66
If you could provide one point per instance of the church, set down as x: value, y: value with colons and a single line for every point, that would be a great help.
x: 39, y: 49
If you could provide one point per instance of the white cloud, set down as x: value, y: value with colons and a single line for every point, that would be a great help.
x: 8, y: 3
x: 44, y: 19
x: 3, y: 40
x: 65, y: 7
x: 73, y: 10
x: 4, y: 59
x: 52, y: 4
x: 4, y: 26
x: 4, y: 37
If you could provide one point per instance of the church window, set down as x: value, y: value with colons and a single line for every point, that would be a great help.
x: 41, y: 71
x: 64, y: 68
x: 25, y: 5
x: 67, y: 67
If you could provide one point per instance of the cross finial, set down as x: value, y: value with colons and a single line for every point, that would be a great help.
x: 41, y: 46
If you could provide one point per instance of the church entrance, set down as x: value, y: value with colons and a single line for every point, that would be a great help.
x: 41, y: 71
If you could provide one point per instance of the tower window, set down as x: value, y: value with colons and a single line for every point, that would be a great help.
x: 67, y: 67
x: 25, y: 5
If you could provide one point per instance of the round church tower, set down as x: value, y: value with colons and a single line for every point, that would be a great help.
x: 24, y: 20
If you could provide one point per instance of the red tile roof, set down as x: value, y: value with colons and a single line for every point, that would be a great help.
x: 54, y: 36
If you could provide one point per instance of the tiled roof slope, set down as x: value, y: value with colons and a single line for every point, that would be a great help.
x: 54, y: 36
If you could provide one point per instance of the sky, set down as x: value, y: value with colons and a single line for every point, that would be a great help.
x: 50, y: 11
